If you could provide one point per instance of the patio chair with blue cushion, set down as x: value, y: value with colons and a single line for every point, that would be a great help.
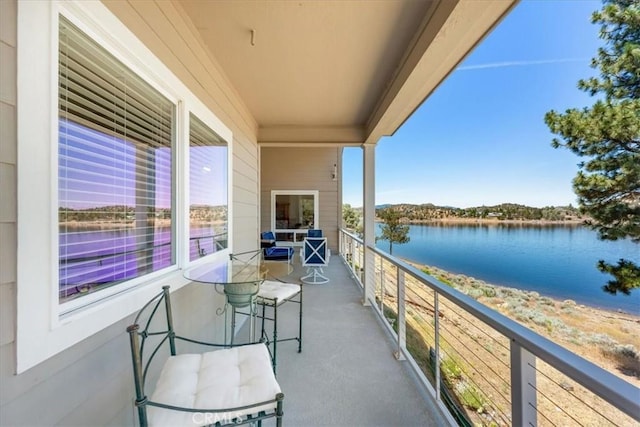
x: 270, y: 251
x: 278, y: 253
x: 267, y: 239
x: 314, y: 232
x: 315, y: 256
x: 232, y: 385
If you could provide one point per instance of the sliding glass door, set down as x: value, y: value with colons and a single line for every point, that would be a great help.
x: 293, y: 212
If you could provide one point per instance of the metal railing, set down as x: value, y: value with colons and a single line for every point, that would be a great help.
x: 482, y: 367
x: 83, y: 272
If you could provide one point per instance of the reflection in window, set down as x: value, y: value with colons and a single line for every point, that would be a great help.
x: 207, y: 190
x: 294, y: 211
x: 115, y: 169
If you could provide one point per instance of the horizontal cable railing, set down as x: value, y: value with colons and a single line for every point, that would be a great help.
x: 482, y: 367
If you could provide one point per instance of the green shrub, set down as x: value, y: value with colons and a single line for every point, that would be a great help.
x: 529, y: 315
x: 451, y: 369
x: 546, y: 301
x: 603, y: 340
x: 489, y: 292
x: 626, y: 357
x: 471, y: 397
x: 475, y: 293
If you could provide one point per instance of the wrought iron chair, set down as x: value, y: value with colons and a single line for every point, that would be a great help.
x: 315, y: 255
x: 274, y: 293
x: 232, y: 385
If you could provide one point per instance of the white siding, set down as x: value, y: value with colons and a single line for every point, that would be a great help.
x: 166, y: 30
x: 8, y: 201
x: 290, y: 168
x: 91, y: 382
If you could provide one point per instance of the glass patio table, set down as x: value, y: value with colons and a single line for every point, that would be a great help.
x: 239, y: 279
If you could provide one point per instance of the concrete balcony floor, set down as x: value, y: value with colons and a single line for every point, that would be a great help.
x: 346, y: 374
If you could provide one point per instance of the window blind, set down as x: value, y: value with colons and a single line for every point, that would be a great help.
x: 207, y: 190
x: 115, y: 169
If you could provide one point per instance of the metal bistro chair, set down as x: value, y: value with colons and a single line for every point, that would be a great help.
x: 274, y: 293
x: 315, y: 255
x: 230, y: 386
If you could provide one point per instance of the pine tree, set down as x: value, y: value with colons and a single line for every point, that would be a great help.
x: 607, y: 134
x: 352, y: 219
x: 392, y: 229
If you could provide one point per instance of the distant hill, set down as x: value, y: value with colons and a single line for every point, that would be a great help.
x: 505, y: 211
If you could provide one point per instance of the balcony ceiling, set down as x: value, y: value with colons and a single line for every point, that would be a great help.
x: 338, y: 71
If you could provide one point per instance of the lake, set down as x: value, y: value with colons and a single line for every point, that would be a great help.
x: 554, y: 260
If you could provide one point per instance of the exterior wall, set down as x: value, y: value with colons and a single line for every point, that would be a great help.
x: 8, y: 200
x: 165, y: 29
x: 286, y: 168
x: 91, y: 383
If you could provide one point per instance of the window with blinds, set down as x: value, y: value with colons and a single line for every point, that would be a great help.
x: 207, y: 190
x: 115, y: 170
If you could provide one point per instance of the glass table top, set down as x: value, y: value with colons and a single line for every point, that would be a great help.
x: 237, y: 271
x: 239, y: 278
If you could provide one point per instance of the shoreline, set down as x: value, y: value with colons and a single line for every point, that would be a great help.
x: 496, y: 221
x: 463, y: 281
x: 608, y: 338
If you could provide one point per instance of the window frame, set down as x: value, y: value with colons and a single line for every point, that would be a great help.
x: 188, y: 193
x: 295, y: 231
x: 45, y: 326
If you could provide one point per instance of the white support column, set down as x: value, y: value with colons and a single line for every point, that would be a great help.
x: 369, y: 215
x: 523, y: 387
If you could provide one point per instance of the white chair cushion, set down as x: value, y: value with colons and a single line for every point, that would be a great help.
x: 282, y: 291
x: 219, y: 379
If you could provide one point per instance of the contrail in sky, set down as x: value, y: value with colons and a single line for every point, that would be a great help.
x: 519, y: 63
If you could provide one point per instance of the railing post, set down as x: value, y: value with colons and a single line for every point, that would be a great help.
x: 401, y: 321
x: 381, y: 285
x: 353, y: 258
x: 369, y: 285
x: 436, y: 339
x: 523, y: 387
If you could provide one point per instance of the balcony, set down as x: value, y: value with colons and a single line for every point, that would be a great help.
x: 347, y: 373
x: 374, y: 365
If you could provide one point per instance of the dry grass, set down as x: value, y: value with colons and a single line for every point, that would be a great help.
x: 479, y: 356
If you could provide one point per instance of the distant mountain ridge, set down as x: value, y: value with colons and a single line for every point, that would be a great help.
x: 504, y: 211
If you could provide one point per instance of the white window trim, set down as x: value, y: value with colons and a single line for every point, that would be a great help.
x: 42, y: 329
x: 209, y: 119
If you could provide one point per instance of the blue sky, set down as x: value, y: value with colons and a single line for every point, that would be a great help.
x: 480, y: 138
